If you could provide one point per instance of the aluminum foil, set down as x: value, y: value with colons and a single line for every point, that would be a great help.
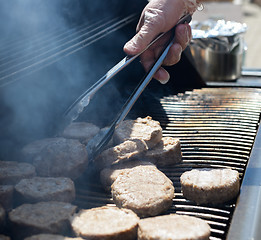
x: 219, y: 35
x: 216, y: 28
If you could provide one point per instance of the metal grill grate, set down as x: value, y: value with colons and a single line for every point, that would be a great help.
x: 217, y: 128
x: 21, y: 58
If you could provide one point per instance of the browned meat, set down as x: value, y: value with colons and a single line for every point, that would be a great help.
x: 143, y: 189
x: 141, y: 128
x: 210, y: 186
x: 40, y: 189
x: 123, y: 152
x: 6, y: 196
x: 42, y: 217
x: 166, y: 152
x: 13, y: 172
x: 106, y: 223
x: 32, y: 149
x: 82, y: 131
x: 59, y: 157
x: 173, y: 227
x: 109, y: 175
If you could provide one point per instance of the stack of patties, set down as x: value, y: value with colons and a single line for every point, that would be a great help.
x: 139, y: 189
x: 131, y: 173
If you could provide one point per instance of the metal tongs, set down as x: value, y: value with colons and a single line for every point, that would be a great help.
x: 98, y: 143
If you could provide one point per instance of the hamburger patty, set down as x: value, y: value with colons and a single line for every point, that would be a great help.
x: 13, y: 172
x: 109, y: 175
x: 82, y: 131
x: 143, y: 189
x: 6, y: 196
x: 42, y: 217
x: 173, y: 227
x: 58, y: 157
x: 210, y: 186
x: 166, y: 152
x: 106, y: 223
x: 40, y: 189
x: 32, y: 149
x: 125, y: 151
x: 141, y: 128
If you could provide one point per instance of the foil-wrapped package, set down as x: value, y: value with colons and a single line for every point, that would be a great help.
x: 219, y: 35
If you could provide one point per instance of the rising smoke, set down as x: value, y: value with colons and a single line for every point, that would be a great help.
x: 37, y: 84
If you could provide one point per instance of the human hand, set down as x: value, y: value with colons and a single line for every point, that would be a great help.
x: 157, y: 17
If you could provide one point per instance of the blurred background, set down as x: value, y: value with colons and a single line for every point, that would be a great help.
x: 244, y: 11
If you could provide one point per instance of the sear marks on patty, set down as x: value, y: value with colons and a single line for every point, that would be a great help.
x: 143, y: 189
x: 40, y: 189
x: 123, y: 152
x: 43, y: 217
x: 173, y: 227
x: 142, y: 128
x: 82, y: 131
x: 106, y: 223
x: 210, y: 186
x: 12, y: 172
x: 109, y: 175
x: 166, y: 152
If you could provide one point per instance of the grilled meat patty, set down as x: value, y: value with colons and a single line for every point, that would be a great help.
x: 40, y: 189
x: 58, y: 157
x: 106, y: 223
x: 210, y: 186
x: 109, y: 175
x: 141, y: 128
x: 13, y: 172
x: 42, y: 217
x: 123, y: 152
x: 6, y: 196
x: 173, y: 227
x: 166, y: 152
x: 82, y: 131
x: 143, y: 189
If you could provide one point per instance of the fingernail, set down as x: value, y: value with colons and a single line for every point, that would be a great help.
x: 164, y: 81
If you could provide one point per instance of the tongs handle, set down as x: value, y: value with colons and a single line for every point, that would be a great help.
x: 83, y: 100
x: 104, y: 137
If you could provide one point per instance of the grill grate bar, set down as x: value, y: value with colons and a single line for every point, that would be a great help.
x: 53, y: 54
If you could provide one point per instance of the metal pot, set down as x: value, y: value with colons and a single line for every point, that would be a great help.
x: 216, y: 65
x: 218, y: 49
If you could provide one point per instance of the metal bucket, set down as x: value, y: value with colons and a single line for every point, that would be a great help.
x: 218, y: 49
x: 216, y: 65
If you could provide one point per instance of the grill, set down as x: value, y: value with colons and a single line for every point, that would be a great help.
x: 217, y: 128
x: 217, y: 124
